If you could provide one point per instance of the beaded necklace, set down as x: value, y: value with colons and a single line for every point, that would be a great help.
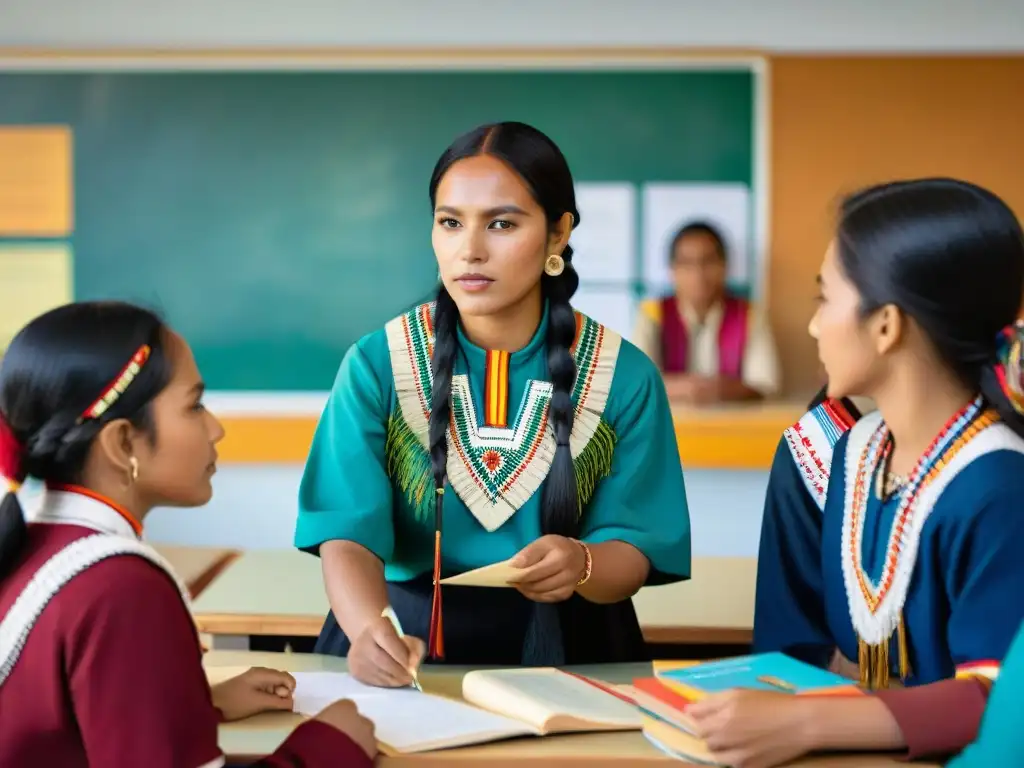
x: 876, y: 610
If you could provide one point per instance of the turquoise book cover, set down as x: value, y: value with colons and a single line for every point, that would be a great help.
x: 765, y: 672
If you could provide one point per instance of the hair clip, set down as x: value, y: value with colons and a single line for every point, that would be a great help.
x: 1009, y: 369
x: 110, y: 395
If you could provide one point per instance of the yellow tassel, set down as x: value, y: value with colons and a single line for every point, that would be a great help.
x: 864, y: 663
x: 901, y: 630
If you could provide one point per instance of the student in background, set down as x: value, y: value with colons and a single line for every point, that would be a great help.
x: 530, y: 430
x: 100, y: 663
x: 923, y: 526
x: 711, y: 346
x: 1000, y: 741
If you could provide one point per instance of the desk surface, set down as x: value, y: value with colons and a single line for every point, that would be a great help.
x: 261, y: 735
x: 196, y: 566
x: 281, y: 592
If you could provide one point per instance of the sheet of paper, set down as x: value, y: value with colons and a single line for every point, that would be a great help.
x: 667, y: 207
x: 35, y: 181
x: 612, y: 307
x: 496, y: 575
x: 33, y: 279
x: 604, y: 243
x: 404, y: 718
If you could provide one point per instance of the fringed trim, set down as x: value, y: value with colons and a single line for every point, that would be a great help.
x: 873, y: 660
x: 495, y: 470
x: 408, y: 465
x: 594, y: 462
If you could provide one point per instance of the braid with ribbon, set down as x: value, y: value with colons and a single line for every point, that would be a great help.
x: 13, y: 530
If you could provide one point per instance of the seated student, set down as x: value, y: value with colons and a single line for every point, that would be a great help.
x: 710, y: 345
x: 789, y: 604
x: 1000, y: 741
x: 922, y: 527
x: 100, y: 663
x: 582, y: 485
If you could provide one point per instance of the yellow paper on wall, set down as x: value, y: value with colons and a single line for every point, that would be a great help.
x: 33, y: 279
x: 36, y: 181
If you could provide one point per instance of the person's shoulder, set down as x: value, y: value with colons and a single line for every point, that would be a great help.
x: 601, y: 351
x: 651, y: 308
x: 371, y: 356
x: 119, y: 590
x: 987, y: 472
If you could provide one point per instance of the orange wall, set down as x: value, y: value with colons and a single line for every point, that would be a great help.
x: 841, y: 122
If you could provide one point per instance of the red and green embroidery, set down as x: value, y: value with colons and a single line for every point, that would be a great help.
x: 495, y: 468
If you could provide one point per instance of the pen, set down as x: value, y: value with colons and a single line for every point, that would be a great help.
x: 389, y: 614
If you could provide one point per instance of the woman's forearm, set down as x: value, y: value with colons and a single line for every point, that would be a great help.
x: 618, y: 570
x: 856, y: 723
x: 354, y: 580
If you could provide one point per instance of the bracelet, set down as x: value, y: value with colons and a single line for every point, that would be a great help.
x: 588, y: 565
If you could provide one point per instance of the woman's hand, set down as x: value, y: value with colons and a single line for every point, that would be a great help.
x: 754, y: 729
x: 552, y: 567
x: 380, y: 657
x: 256, y: 690
x: 344, y: 716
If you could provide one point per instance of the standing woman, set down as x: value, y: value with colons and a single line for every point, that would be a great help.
x: 923, y: 525
x: 494, y: 423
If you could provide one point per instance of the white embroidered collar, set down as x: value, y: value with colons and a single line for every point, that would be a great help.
x: 70, y: 508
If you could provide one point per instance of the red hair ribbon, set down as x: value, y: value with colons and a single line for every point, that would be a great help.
x: 1010, y: 368
x: 12, y: 455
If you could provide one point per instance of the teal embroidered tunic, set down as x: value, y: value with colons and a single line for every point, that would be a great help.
x: 368, y: 479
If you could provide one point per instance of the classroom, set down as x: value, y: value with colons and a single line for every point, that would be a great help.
x: 258, y: 177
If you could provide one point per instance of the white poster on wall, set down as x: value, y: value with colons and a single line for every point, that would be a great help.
x: 667, y: 207
x: 613, y: 308
x: 604, y: 244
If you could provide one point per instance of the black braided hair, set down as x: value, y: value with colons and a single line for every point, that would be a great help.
x: 53, y: 370
x: 540, y: 163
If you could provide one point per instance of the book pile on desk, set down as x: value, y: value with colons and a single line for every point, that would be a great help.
x: 664, y: 698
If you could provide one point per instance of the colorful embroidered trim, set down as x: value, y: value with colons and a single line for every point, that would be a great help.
x: 811, y: 442
x: 876, y: 610
x: 118, y: 386
x: 495, y: 470
x: 496, y: 388
x: 987, y: 669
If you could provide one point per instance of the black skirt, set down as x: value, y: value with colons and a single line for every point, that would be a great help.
x: 484, y: 627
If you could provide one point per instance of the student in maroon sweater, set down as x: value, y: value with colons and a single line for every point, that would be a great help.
x: 100, y: 664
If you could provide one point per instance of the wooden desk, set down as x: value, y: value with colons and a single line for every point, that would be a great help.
x: 281, y: 592
x: 741, y: 436
x: 258, y: 736
x: 733, y: 436
x: 196, y: 566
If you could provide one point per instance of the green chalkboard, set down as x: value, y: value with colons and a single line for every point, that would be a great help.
x: 274, y: 218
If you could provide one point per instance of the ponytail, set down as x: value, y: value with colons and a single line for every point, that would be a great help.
x: 1002, y: 384
x: 13, y: 530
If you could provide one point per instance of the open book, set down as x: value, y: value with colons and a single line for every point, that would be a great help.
x: 499, y: 704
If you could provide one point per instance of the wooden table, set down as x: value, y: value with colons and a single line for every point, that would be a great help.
x: 281, y: 592
x: 259, y: 736
x: 196, y: 566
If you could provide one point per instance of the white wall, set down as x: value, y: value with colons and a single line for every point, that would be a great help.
x: 795, y: 25
x: 254, y: 508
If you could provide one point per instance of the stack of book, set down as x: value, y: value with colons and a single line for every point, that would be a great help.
x: 663, y: 699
